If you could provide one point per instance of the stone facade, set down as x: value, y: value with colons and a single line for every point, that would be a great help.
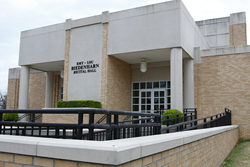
x: 238, y: 34
x: 13, y: 93
x: 210, y: 151
x: 223, y: 82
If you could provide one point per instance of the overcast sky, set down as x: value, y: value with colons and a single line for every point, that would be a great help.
x: 20, y: 15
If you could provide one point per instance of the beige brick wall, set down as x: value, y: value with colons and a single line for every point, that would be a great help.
x: 37, y: 86
x: 209, y: 151
x: 223, y: 82
x: 238, y: 34
x: 56, y: 90
x: 104, y: 80
x: 60, y: 118
x: 119, y: 85
x: 116, y: 79
x: 203, y: 152
x: 13, y: 94
x: 66, y: 65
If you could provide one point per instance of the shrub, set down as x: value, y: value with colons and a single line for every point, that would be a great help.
x: 172, y: 112
x: 10, y: 116
x: 79, y: 103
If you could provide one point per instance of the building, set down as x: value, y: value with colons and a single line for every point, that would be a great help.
x: 137, y: 60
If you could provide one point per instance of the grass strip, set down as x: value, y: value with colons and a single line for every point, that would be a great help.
x: 240, y: 155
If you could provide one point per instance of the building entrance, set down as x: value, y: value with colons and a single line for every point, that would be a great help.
x: 150, y: 96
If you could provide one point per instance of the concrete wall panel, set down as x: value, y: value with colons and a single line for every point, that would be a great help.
x: 86, y: 45
x: 223, y: 40
x: 152, y: 74
x: 41, y: 48
x: 145, y: 32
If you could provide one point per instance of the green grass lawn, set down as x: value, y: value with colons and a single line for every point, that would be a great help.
x: 240, y: 155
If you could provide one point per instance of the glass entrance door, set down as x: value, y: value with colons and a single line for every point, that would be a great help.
x: 150, y: 96
x: 159, y: 99
x: 146, y: 101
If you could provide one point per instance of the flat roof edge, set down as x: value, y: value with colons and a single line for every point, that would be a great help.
x: 225, y: 51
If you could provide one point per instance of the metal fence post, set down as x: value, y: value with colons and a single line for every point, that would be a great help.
x: 159, y: 122
x: 157, y: 129
x: 195, y: 116
x: 91, y: 130
x: 212, y: 122
x: 80, y: 121
x: 185, y: 118
x: 108, y: 131
x: 137, y: 132
x: 205, y: 126
x: 116, y: 131
x: 230, y: 117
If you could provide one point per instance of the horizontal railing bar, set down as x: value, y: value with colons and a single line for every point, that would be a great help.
x: 139, y: 119
x: 39, y: 124
x: 138, y: 125
x: 76, y: 111
x: 177, y: 118
x: 188, y: 122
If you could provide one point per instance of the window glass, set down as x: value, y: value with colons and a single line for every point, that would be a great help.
x: 135, y: 100
x: 135, y: 107
x: 169, y: 92
x: 169, y: 100
x: 149, y: 85
x: 156, y: 85
x: 135, y: 93
x: 143, y: 101
x: 148, y: 100
x: 143, y: 85
x: 156, y: 94
x: 148, y: 94
x: 143, y: 94
x: 169, y: 85
x: 148, y: 107
x: 135, y: 86
x: 156, y: 100
x: 163, y: 84
x: 161, y: 93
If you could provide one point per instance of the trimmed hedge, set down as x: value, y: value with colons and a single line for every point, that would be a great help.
x: 172, y: 112
x: 79, y: 103
x: 10, y: 116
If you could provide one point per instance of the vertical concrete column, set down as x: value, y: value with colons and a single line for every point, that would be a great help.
x: 49, y: 89
x: 188, y: 83
x: 176, y: 78
x: 24, y: 87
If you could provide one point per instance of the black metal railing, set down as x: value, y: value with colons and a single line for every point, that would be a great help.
x: 32, y: 117
x: 140, y: 124
x: 112, y: 129
x: 221, y: 119
x: 168, y: 120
